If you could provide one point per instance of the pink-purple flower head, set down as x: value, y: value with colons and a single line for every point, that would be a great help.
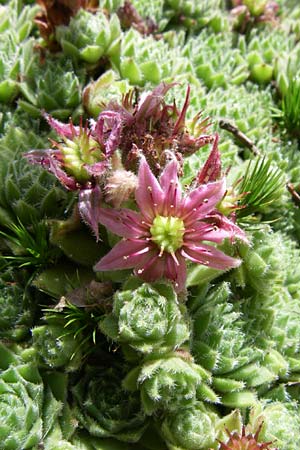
x: 77, y: 161
x: 170, y: 228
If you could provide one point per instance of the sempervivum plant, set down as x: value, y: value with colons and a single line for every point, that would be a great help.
x: 49, y: 84
x: 16, y: 316
x: 56, y: 347
x: 190, y: 427
x: 29, y: 193
x: 169, y: 229
x: 22, y: 390
x: 279, y: 423
x: 148, y: 319
x: 142, y: 59
x: 90, y: 36
x: 165, y: 126
x: 169, y: 381
x: 210, y: 52
x: 9, y: 67
x: 104, y: 409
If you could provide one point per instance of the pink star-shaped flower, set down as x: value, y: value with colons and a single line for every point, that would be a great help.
x: 170, y: 228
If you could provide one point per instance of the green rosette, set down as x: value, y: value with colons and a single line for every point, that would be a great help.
x: 90, y: 36
x: 16, y: 316
x: 170, y: 382
x: 105, y: 409
x: 21, y: 401
x: 149, y: 319
x: 190, y: 428
x: 56, y: 347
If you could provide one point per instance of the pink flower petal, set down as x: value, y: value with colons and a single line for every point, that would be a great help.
x: 209, y: 256
x: 124, y: 255
x: 96, y: 169
x: 89, y: 205
x: 227, y: 225
x: 171, y: 188
x: 50, y: 160
x: 108, y: 130
x: 176, y: 272
x: 123, y: 222
x: 67, y: 130
x: 150, y: 101
x: 206, y: 232
x: 149, y: 195
x: 151, y: 268
x: 203, y: 200
x: 211, y: 170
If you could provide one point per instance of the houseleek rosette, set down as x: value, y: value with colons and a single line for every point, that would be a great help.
x: 90, y: 36
x: 190, y: 428
x: 169, y: 382
x: 104, y: 409
x: 15, y: 314
x: 148, y: 318
x: 56, y: 347
x: 21, y: 400
x: 280, y: 423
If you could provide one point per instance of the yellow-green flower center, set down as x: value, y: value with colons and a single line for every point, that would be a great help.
x: 167, y: 233
x: 81, y: 150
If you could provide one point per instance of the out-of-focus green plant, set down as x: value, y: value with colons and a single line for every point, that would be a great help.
x: 49, y: 84
x: 104, y: 409
x: 16, y: 312
x: 90, y: 37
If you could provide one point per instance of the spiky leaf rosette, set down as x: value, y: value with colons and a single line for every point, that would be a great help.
x: 15, y: 314
x: 288, y: 114
x: 20, y: 402
x: 56, y: 348
x: 169, y: 382
x: 280, y: 423
x: 148, y: 319
x: 50, y: 84
x: 18, y: 17
x: 90, y: 36
x: 195, y: 15
x: 189, y: 428
x: 142, y: 60
x: 104, y: 408
x: 9, y: 67
x: 216, y: 63
x: 219, y: 343
x: 30, y: 193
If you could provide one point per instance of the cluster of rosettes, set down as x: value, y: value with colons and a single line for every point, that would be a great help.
x: 140, y: 141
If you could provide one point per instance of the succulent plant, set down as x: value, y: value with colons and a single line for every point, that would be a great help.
x: 17, y: 17
x: 148, y: 319
x: 49, y: 84
x: 190, y: 427
x: 30, y: 193
x: 9, y: 67
x: 263, y: 50
x: 142, y: 60
x: 56, y: 347
x: 194, y: 15
x: 216, y: 63
x: 90, y: 37
x: 33, y: 408
x: 16, y: 314
x: 104, y: 409
x: 280, y: 422
x: 169, y: 381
